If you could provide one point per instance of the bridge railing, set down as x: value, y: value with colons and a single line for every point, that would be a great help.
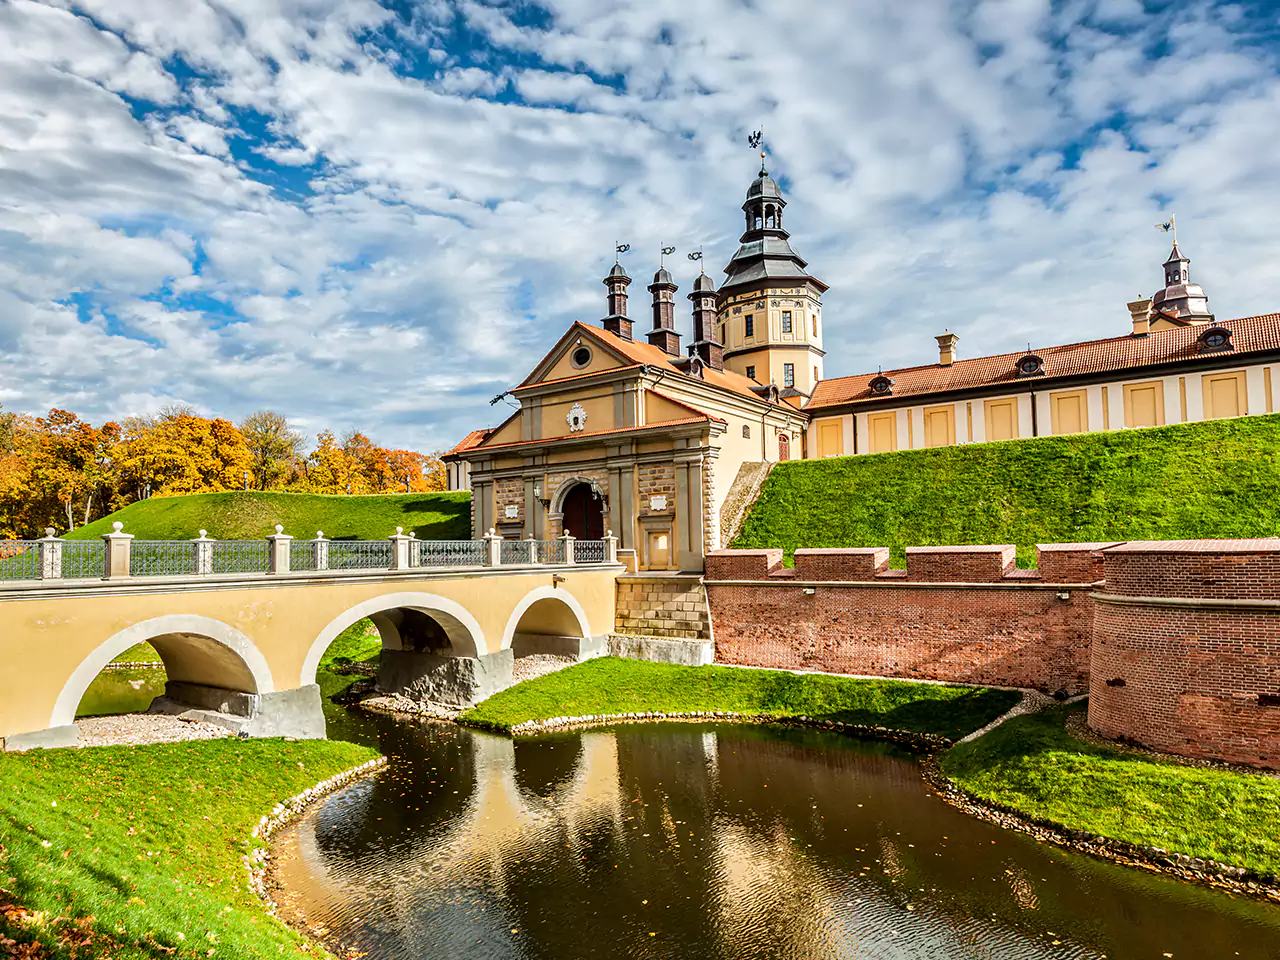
x: 117, y: 555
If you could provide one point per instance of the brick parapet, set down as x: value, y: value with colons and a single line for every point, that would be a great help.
x: 851, y: 563
x: 742, y: 564
x: 963, y: 564
x: 1222, y: 569
x: 1071, y: 562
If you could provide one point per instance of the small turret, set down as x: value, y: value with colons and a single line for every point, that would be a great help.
x: 706, y: 346
x: 617, y: 321
x: 1181, y: 302
x: 663, y: 335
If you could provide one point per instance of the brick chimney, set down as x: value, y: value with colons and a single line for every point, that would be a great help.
x: 663, y: 335
x: 947, y: 348
x: 1140, y: 312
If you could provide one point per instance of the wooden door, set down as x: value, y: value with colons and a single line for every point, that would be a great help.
x: 784, y: 447
x: 583, y: 514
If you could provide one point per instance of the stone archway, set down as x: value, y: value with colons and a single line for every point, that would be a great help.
x: 580, y: 509
x: 550, y: 620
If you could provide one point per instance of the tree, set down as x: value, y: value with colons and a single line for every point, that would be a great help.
x: 182, y: 454
x: 275, y: 448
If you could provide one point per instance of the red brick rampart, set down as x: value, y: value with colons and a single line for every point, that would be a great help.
x: 1177, y: 642
x: 1186, y: 649
x: 956, y: 613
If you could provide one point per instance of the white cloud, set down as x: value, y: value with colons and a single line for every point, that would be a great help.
x: 306, y: 226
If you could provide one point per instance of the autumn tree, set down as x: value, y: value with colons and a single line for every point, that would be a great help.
x: 182, y: 453
x: 275, y: 448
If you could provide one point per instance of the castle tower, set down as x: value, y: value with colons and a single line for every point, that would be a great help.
x: 663, y: 335
x: 706, y: 346
x: 769, y: 307
x: 1181, y: 302
x: 617, y: 322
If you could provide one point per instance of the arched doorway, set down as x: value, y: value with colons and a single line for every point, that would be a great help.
x: 583, y: 513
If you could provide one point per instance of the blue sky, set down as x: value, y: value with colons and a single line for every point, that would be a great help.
x: 378, y: 215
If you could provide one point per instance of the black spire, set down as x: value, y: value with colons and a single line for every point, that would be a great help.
x: 765, y: 251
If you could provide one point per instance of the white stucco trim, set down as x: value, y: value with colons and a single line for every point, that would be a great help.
x: 545, y: 593
x: 464, y: 631
x: 64, y: 710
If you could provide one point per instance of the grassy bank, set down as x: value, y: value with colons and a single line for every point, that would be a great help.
x: 611, y: 685
x: 250, y: 515
x: 134, y: 852
x: 1214, y: 479
x: 1032, y: 764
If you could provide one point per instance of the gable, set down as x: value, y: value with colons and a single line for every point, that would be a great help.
x: 561, y: 361
x: 662, y: 409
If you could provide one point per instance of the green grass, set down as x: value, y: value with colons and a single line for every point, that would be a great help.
x: 251, y: 516
x: 611, y: 685
x: 1035, y: 766
x: 139, y: 653
x: 134, y: 852
x: 1214, y: 479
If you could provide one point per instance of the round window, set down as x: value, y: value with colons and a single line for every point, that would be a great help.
x: 581, y: 357
x: 1030, y: 366
x: 1215, y: 339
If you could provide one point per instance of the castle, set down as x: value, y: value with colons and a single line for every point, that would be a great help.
x: 629, y: 434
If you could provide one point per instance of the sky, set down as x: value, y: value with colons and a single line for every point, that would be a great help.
x: 380, y: 215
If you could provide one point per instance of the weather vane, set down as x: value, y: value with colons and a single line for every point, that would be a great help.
x: 1169, y: 226
x: 696, y: 255
x: 755, y: 139
x: 666, y: 252
x: 619, y: 249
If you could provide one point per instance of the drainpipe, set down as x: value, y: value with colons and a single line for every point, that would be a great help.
x: 1035, y: 426
x: 855, y: 433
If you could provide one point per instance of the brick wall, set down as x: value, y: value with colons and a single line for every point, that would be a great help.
x: 656, y: 480
x: 1186, y: 649
x: 506, y: 493
x: 662, y: 607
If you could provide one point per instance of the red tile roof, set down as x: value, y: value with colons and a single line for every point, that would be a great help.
x: 1249, y: 335
x: 472, y: 439
x: 703, y: 418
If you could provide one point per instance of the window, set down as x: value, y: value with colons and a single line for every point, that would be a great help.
x: 749, y: 325
x: 751, y: 372
x: 1030, y: 366
x: 881, y: 386
x: 580, y: 357
x: 788, y: 374
x: 816, y: 378
x: 786, y: 321
x: 815, y: 324
x: 746, y: 432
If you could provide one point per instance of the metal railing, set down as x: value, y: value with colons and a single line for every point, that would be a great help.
x: 448, y: 553
x: 84, y: 560
x: 109, y: 558
x: 240, y: 556
x: 162, y: 558
x: 20, y: 560
x: 359, y: 555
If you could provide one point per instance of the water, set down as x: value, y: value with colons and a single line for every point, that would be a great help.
x: 708, y: 841
x: 122, y: 691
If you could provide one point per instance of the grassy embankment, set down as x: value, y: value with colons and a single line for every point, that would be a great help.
x: 249, y: 515
x: 134, y: 852
x: 610, y: 685
x: 1214, y: 479
x: 1032, y: 764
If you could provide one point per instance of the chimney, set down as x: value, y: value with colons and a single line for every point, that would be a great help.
x: 1140, y: 312
x: 947, y: 348
x: 705, y: 346
x: 617, y: 321
x: 663, y: 335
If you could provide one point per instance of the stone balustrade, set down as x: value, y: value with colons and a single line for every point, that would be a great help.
x: 119, y: 555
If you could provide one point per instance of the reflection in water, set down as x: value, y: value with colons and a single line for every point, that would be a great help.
x: 122, y: 691
x: 715, y: 841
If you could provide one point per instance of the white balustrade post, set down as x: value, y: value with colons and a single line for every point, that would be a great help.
x: 278, y: 551
x: 533, y: 550
x: 50, y: 555
x: 203, y: 547
x: 494, y: 540
x: 399, y: 550
x: 118, y: 547
x: 320, y: 551
x: 569, y: 541
x: 610, y: 547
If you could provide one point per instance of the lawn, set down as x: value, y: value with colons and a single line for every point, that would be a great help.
x: 134, y: 852
x: 612, y: 685
x: 250, y: 515
x: 1212, y: 479
x: 1034, y: 765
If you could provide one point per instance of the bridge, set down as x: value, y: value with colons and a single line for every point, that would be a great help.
x: 242, y: 625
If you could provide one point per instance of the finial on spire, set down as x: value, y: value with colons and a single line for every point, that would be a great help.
x: 1169, y: 226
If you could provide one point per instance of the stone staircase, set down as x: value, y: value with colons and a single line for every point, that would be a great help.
x: 742, y: 494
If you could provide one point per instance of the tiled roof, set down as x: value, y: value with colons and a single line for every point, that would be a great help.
x: 472, y: 439
x: 1249, y: 335
x: 703, y: 418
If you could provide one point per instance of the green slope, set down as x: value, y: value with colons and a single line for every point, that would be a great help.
x: 1215, y: 479
x: 250, y: 515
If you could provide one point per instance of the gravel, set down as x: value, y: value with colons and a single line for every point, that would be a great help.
x: 539, y: 665
x: 144, y: 728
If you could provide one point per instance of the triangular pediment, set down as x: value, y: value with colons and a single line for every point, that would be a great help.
x: 563, y: 360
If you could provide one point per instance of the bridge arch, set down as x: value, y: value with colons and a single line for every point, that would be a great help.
x: 194, y: 649
x: 463, y: 630
x: 546, y: 612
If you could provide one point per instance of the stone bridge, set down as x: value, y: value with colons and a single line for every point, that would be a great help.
x: 242, y: 625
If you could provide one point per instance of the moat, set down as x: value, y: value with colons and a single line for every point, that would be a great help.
x: 707, y: 840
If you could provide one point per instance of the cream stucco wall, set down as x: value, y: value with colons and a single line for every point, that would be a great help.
x: 254, y: 634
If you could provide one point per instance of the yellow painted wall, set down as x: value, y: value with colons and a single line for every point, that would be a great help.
x: 598, y: 408
x: 600, y: 360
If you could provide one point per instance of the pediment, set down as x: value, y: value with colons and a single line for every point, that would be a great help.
x: 578, y: 352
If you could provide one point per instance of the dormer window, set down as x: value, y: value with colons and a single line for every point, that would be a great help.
x: 1030, y: 366
x: 1215, y: 338
x: 881, y: 386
